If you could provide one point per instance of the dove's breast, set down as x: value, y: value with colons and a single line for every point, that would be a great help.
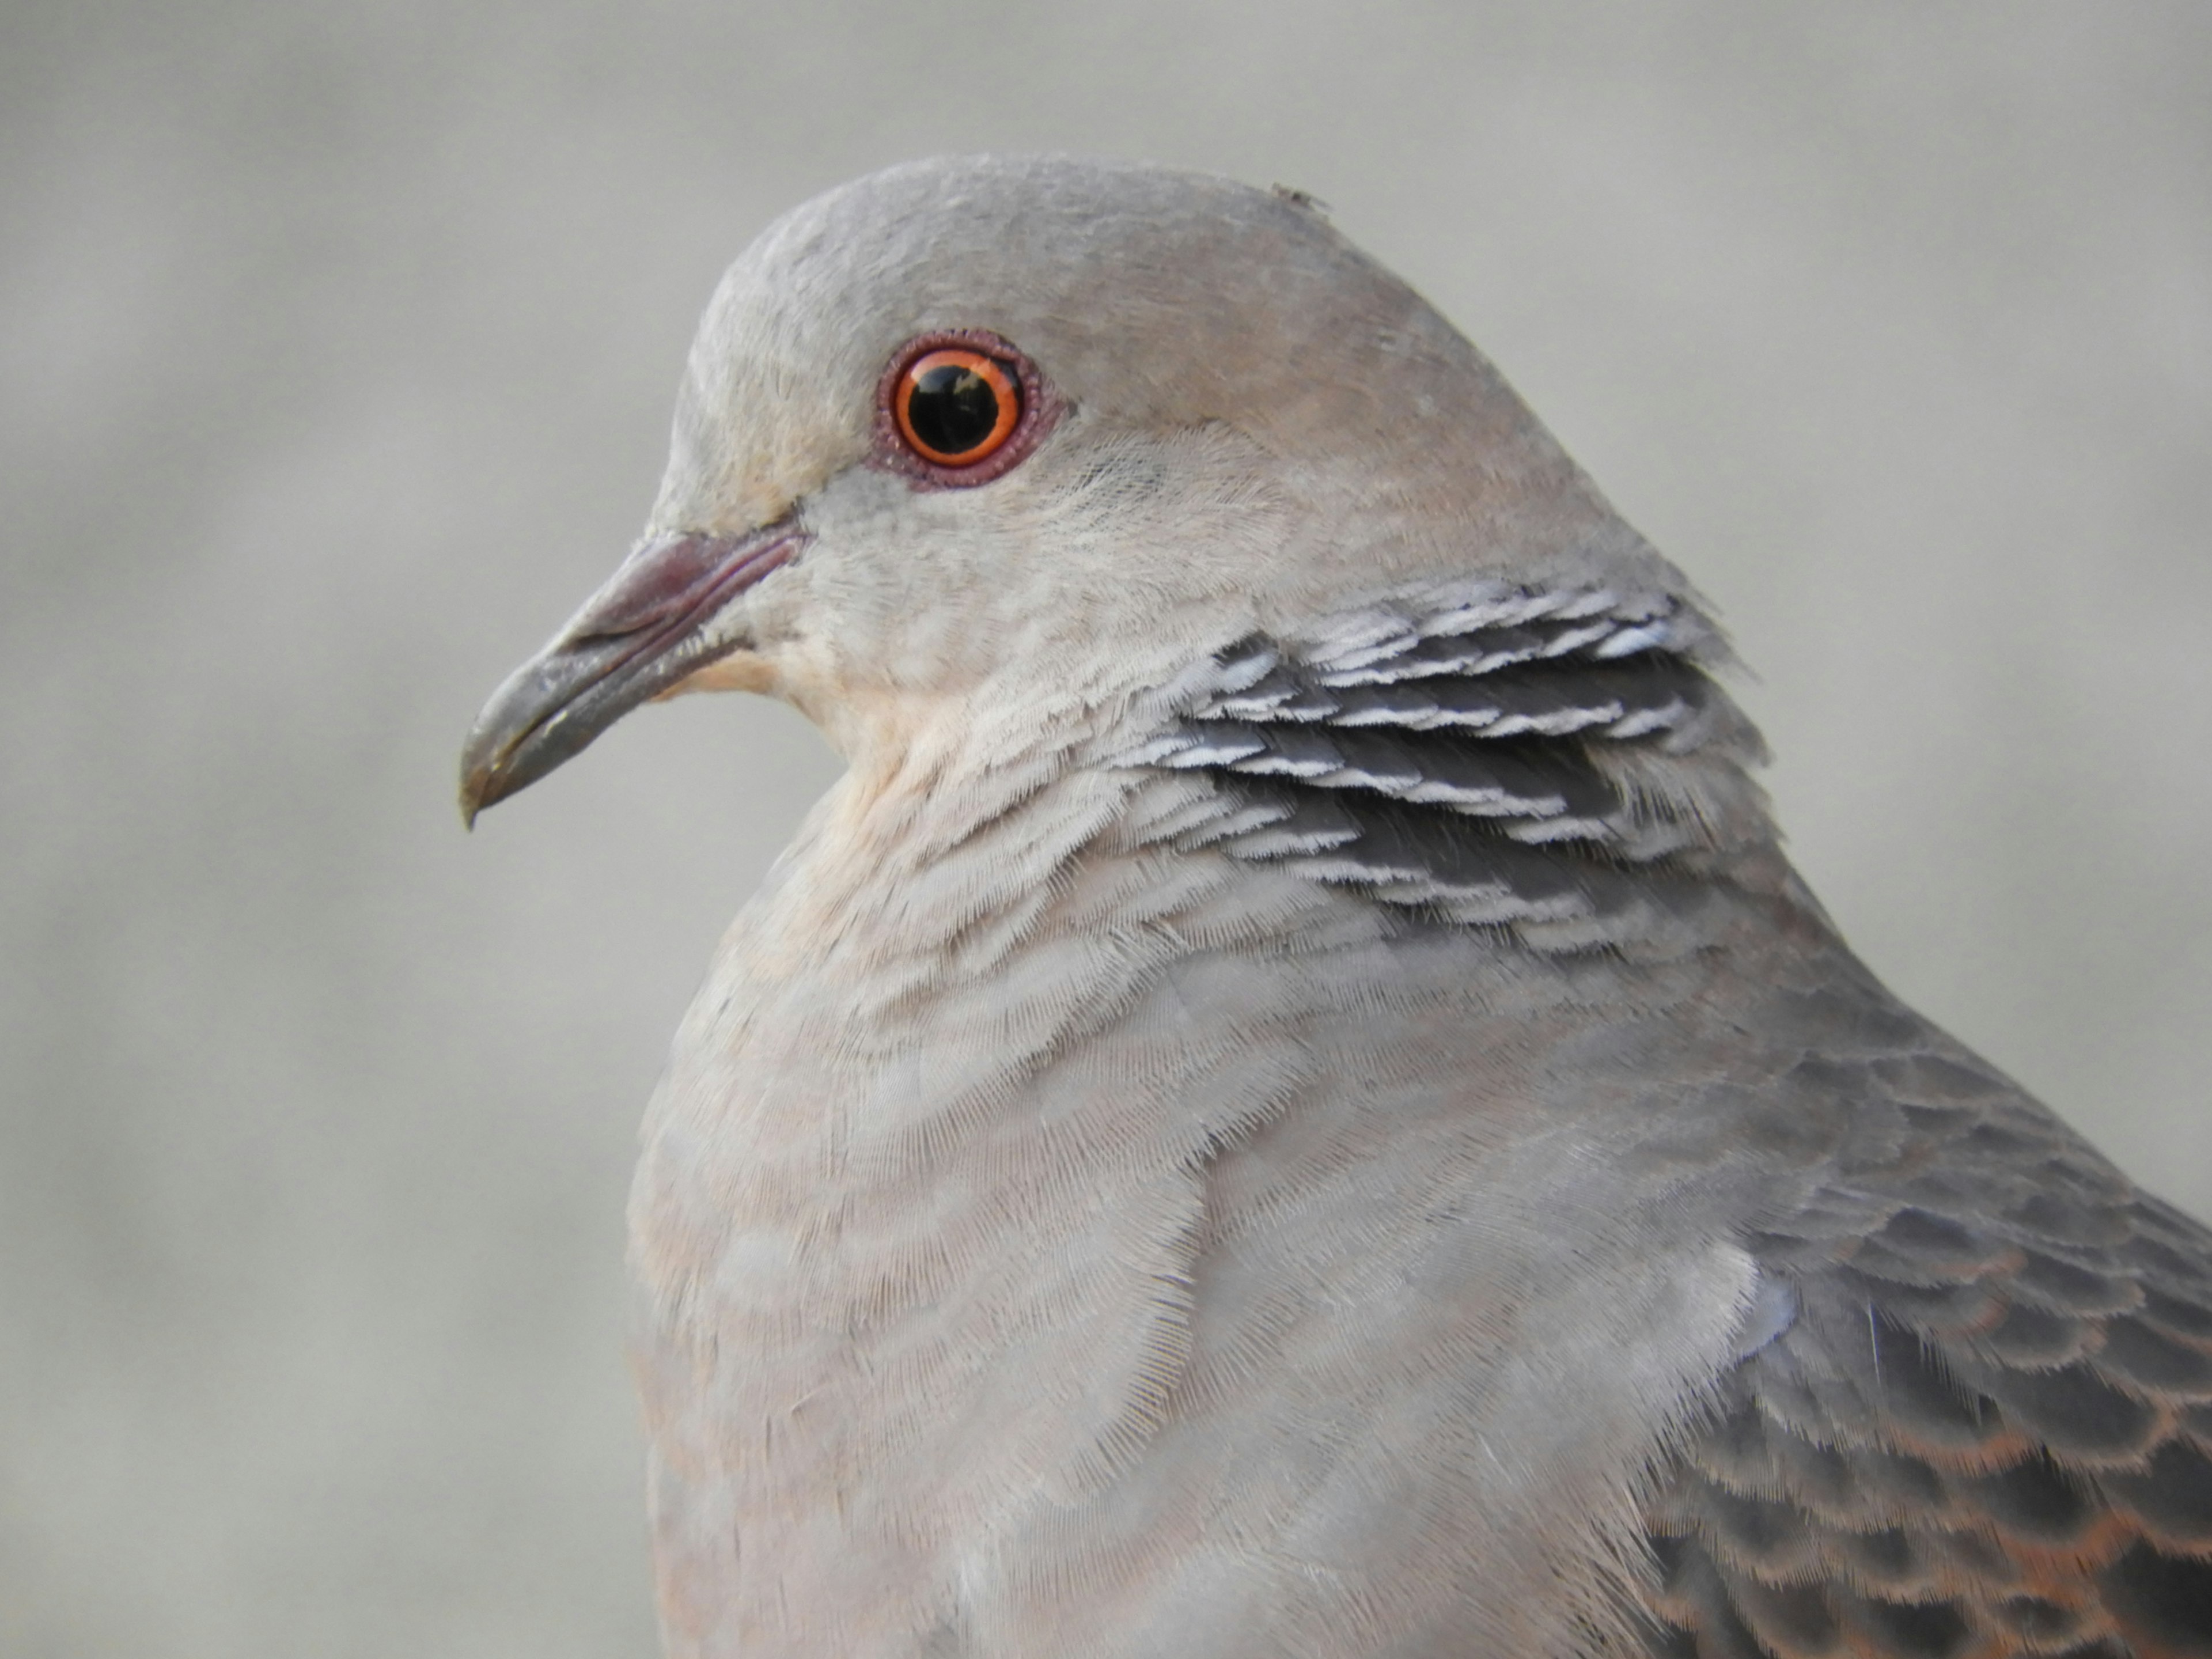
x: 1152, y: 1255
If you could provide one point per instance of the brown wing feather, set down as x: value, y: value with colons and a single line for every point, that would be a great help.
x: 1986, y: 1429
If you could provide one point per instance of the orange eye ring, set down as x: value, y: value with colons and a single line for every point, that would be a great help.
x: 956, y: 407
x: 959, y: 407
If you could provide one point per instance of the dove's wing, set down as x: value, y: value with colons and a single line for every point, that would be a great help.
x: 1983, y: 1423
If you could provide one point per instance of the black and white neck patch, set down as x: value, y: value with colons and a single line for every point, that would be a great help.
x: 1550, y: 760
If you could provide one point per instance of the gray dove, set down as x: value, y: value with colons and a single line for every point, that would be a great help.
x: 1289, y: 1102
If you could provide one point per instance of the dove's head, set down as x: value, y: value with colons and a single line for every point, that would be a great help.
x: 1055, y: 430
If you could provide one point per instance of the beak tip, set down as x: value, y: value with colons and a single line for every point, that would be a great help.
x: 480, y: 788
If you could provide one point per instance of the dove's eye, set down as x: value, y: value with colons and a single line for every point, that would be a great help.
x: 956, y: 407
x: 961, y: 408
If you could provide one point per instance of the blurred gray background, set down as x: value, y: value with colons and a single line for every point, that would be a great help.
x: 337, y: 343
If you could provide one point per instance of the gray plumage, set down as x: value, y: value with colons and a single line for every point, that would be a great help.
x: 1290, y: 1102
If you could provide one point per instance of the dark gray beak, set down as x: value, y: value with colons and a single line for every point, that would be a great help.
x: 635, y: 638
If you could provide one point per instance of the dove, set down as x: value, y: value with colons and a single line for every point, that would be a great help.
x: 1290, y: 1101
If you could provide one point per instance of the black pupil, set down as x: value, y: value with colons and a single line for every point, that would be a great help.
x: 951, y: 409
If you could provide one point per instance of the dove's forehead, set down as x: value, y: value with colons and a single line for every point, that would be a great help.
x: 1148, y: 296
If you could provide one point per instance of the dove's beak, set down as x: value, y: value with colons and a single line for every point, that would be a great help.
x: 635, y: 638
